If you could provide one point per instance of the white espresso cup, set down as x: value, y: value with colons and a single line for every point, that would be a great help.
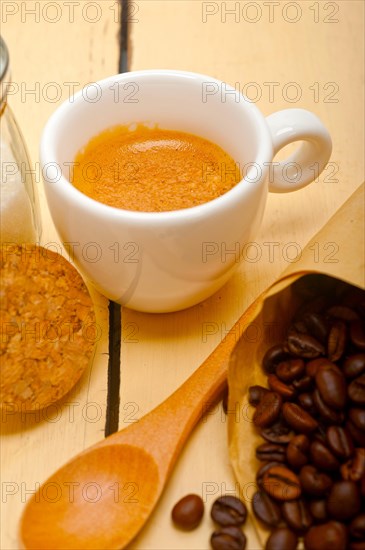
x: 164, y: 261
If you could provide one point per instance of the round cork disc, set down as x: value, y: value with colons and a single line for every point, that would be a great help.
x: 48, y: 329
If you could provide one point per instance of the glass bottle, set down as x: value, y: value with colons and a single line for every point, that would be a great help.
x: 19, y: 207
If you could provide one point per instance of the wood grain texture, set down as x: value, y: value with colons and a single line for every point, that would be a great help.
x: 47, y: 60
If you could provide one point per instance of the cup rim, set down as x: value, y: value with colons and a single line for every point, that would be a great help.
x: 264, y: 154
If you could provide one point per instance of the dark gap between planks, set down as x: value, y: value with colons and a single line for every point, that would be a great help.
x: 115, y: 310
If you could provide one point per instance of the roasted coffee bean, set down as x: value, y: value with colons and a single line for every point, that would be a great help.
x: 320, y: 423
x: 303, y: 384
x: 356, y: 390
x: 297, y: 451
x: 357, y: 334
x: 188, y: 512
x: 263, y: 468
x: 273, y: 357
x: 314, y: 482
x: 322, y: 458
x: 277, y: 433
x: 317, y: 326
x: 318, y: 510
x: 357, y: 527
x: 336, y: 343
x: 332, y: 387
x: 228, y: 538
x: 340, y: 442
x: 298, y: 418
x: 357, y: 435
x: 266, y: 509
x: 271, y: 452
x: 357, y: 417
x: 328, y: 415
x: 281, y: 483
x: 228, y: 510
x: 320, y: 434
x: 298, y: 326
x: 354, y: 469
x: 276, y: 385
x: 290, y: 370
x: 328, y: 536
x: 282, y: 538
x: 297, y: 515
x: 305, y: 401
x: 354, y: 365
x: 344, y: 500
x: 314, y: 365
x: 345, y: 313
x: 267, y: 410
x: 304, y: 345
x: 255, y: 394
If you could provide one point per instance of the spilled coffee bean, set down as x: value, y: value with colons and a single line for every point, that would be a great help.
x: 230, y: 513
x: 229, y: 510
x: 188, y: 512
x: 228, y: 538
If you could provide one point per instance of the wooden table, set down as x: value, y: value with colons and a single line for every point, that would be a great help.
x: 281, y: 54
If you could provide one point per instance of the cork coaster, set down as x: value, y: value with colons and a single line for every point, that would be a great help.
x: 48, y: 330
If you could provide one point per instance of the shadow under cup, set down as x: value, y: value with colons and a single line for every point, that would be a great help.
x: 157, y: 261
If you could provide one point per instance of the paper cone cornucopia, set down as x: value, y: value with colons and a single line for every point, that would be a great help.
x: 342, y: 240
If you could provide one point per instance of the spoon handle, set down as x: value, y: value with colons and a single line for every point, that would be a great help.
x: 165, y: 429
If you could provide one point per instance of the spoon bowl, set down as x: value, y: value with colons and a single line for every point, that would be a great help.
x: 104, y: 496
x: 93, y: 502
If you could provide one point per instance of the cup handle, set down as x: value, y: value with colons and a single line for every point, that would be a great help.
x: 311, y: 157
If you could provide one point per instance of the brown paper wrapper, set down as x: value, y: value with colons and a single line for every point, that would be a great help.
x: 337, y: 252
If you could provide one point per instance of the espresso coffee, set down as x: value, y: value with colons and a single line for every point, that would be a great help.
x: 153, y: 170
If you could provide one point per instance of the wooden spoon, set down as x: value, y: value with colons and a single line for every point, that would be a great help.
x: 104, y: 496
